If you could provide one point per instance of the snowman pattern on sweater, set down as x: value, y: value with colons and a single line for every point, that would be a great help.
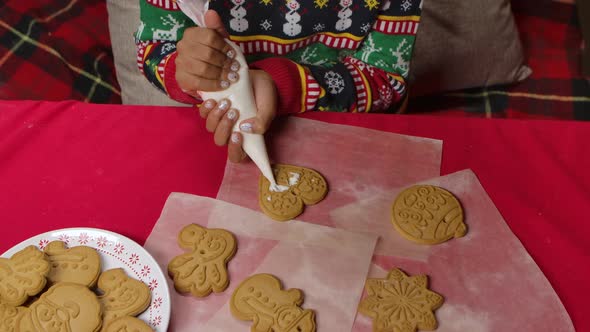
x: 294, y: 19
x: 351, y: 55
x: 292, y: 27
x: 238, y: 22
x: 344, y: 22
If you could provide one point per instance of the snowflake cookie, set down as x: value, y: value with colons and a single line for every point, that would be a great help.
x: 400, y: 303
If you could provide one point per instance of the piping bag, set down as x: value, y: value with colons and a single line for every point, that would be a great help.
x: 239, y: 94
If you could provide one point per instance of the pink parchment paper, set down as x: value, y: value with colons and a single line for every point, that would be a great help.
x: 488, y: 280
x: 356, y: 162
x: 327, y: 264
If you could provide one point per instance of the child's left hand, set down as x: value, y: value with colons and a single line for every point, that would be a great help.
x: 221, y: 117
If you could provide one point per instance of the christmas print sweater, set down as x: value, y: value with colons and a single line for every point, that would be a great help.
x: 332, y: 55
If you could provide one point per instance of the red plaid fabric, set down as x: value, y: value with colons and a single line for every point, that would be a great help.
x: 60, y: 49
x: 55, y: 50
x: 557, y: 89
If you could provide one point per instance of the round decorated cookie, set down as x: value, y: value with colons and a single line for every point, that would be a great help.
x: 428, y: 215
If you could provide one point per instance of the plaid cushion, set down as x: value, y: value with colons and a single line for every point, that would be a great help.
x: 60, y: 49
x: 557, y: 89
x: 55, y: 50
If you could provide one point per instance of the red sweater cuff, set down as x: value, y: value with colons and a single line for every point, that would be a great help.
x: 286, y: 75
x: 171, y: 86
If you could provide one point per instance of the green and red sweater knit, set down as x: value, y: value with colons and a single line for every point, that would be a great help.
x: 327, y: 55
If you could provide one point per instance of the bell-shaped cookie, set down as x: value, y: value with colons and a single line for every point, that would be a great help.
x: 428, y: 215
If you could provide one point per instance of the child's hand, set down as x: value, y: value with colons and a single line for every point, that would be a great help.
x: 205, y: 61
x: 221, y: 117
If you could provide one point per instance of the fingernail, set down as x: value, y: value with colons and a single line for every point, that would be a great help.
x: 232, y: 76
x: 223, y: 104
x: 235, y: 66
x: 208, y: 104
x: 246, y: 127
x: 230, y: 54
x: 235, y: 138
x: 224, y: 84
x: 232, y: 114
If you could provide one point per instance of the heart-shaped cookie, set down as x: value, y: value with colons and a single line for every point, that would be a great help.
x: 297, y: 187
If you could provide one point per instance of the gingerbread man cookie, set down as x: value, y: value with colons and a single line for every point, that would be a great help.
x: 400, y: 303
x: 204, y: 268
x: 297, y: 187
x: 65, y: 307
x: 80, y: 265
x: 123, y: 295
x: 22, y: 275
x: 9, y: 316
x: 428, y: 215
x: 128, y: 324
x: 261, y: 299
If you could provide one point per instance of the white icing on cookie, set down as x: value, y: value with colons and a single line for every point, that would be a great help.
x: 278, y: 188
x: 294, y: 178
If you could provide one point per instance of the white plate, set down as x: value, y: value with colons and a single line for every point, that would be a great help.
x: 116, y: 251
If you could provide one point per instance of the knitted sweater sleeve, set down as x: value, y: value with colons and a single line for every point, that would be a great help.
x: 370, y: 79
x: 162, y: 25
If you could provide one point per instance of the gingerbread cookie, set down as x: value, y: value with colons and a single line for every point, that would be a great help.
x: 204, y: 268
x: 128, y: 324
x: 261, y: 299
x: 123, y: 295
x: 9, y: 316
x: 22, y: 275
x: 400, y: 303
x: 80, y: 265
x: 297, y: 187
x: 64, y: 307
x: 428, y: 215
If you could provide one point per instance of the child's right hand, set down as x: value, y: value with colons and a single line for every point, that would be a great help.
x: 205, y: 62
x: 221, y: 117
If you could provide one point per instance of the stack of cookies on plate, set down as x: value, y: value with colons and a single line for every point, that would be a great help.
x: 61, y: 289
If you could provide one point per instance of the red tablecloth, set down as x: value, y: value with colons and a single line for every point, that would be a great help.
x: 72, y: 164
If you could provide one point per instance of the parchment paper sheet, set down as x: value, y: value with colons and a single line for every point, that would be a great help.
x: 489, y: 281
x: 327, y: 264
x: 356, y: 162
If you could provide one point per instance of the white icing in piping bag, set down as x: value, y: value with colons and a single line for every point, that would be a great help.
x: 239, y: 93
